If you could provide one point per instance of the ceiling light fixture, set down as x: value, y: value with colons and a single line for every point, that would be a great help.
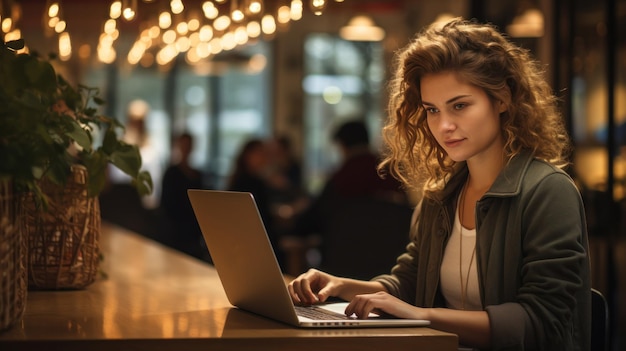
x: 362, y: 28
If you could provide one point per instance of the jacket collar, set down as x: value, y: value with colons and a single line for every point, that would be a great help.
x: 508, y: 182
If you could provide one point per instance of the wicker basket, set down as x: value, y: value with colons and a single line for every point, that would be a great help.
x: 63, y: 241
x: 13, y: 260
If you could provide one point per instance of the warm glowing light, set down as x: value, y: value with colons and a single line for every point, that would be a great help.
x: 182, y: 28
x: 13, y: 35
x: 296, y: 10
x: 65, y: 46
x: 228, y: 41
x: 203, y: 50
x: 53, y: 10
x: 362, y: 28
x: 107, y: 40
x: 268, y: 25
x: 192, y: 56
x: 109, y: 26
x: 209, y: 9
x: 165, y: 20
x: 241, y: 35
x: 52, y: 22
x: 116, y: 10
x: 136, y: 53
x: 221, y: 23
x: 169, y: 36
x: 318, y: 6
x: 182, y: 44
x: 283, y: 15
x: 154, y: 32
x: 254, y: 29
x: 166, y: 54
x: 193, y: 24
x: 60, y: 27
x: 129, y: 9
x: 530, y: 24
x: 255, y: 7
x: 7, y: 24
x: 128, y: 14
x: 237, y: 15
x: 194, y: 39
x: 177, y: 6
x: 206, y: 33
x: 106, y: 54
x: 216, y: 46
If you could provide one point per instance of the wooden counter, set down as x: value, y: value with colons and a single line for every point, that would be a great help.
x: 158, y: 299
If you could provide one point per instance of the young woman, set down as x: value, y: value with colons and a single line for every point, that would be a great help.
x: 498, y: 251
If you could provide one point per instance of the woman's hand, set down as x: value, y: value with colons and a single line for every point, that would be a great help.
x: 313, y: 287
x: 383, y: 303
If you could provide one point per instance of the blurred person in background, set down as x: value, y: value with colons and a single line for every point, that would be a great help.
x: 183, y: 232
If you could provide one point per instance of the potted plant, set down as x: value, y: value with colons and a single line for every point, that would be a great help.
x: 54, y: 147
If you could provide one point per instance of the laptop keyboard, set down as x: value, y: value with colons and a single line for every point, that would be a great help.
x: 313, y: 312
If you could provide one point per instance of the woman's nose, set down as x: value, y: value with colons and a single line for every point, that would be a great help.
x: 446, y: 123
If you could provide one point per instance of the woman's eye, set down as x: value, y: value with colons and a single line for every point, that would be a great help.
x: 431, y: 110
x: 459, y: 106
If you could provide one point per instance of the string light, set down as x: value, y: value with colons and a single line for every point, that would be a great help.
x: 129, y: 9
x: 177, y: 6
x: 215, y: 26
x: 318, y: 6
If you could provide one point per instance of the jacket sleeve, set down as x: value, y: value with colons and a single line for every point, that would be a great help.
x: 401, y: 282
x: 553, y: 271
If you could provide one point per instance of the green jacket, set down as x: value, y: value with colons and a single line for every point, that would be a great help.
x: 531, y: 254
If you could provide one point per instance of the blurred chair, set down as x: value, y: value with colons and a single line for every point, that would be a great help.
x: 364, y: 236
x: 599, y: 322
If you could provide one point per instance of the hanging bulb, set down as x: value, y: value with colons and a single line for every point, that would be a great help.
x: 53, y: 9
x: 165, y: 20
x: 65, y: 46
x: 129, y: 9
x: 255, y: 7
x: 317, y: 6
x: 236, y: 14
x: 177, y: 6
x: 296, y: 10
x: 209, y: 9
x: 115, y: 11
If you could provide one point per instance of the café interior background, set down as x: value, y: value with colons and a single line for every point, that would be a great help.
x: 294, y: 73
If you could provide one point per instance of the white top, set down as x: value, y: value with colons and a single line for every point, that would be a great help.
x: 452, y: 278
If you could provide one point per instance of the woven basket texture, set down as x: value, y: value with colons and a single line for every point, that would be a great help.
x: 13, y: 260
x: 63, y: 240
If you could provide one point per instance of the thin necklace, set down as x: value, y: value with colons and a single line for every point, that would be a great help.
x: 464, y: 288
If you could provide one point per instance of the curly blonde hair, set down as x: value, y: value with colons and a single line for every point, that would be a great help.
x: 483, y: 57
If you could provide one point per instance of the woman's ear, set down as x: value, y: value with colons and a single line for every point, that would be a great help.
x: 502, y: 106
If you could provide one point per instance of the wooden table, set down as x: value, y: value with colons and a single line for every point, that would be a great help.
x: 158, y: 299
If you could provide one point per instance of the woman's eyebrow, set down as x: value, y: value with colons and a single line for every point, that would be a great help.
x: 447, y: 102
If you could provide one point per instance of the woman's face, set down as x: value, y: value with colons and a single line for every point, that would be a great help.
x: 462, y: 118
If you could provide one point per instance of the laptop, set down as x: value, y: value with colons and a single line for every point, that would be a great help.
x: 247, y: 267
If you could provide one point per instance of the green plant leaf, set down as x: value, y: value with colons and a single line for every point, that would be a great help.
x: 109, y: 144
x: 80, y: 136
x: 127, y: 158
x: 41, y: 74
x: 96, y: 163
x: 36, y: 128
x: 15, y: 44
x: 143, y: 183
